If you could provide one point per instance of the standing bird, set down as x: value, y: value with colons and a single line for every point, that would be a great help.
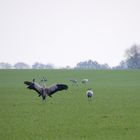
x: 73, y: 81
x: 44, y: 79
x: 45, y: 91
x: 84, y: 81
x: 89, y: 93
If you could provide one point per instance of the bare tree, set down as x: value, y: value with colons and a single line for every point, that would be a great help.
x: 133, y: 57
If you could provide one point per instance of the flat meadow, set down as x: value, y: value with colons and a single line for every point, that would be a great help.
x: 112, y: 114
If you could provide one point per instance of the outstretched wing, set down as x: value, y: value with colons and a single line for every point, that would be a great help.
x: 54, y: 88
x: 33, y: 86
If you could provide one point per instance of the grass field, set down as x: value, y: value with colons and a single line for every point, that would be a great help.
x: 113, y: 113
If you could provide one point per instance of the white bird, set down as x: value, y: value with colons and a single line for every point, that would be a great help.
x: 45, y: 91
x: 89, y: 93
x: 74, y: 81
x: 84, y: 81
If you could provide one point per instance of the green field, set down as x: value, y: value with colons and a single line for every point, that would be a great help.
x: 112, y: 114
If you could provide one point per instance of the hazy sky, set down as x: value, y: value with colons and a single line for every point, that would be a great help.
x: 65, y: 32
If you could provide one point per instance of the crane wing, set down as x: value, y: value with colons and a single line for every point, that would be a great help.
x: 34, y: 86
x: 55, y: 88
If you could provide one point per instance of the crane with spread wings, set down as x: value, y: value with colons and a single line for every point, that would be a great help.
x: 44, y: 91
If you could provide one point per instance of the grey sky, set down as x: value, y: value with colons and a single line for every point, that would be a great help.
x: 65, y: 32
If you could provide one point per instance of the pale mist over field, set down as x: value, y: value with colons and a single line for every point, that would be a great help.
x: 65, y: 32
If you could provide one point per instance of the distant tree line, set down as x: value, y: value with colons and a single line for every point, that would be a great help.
x: 131, y: 61
x: 22, y: 65
x: 91, y: 65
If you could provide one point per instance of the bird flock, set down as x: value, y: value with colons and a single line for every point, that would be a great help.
x: 47, y: 91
